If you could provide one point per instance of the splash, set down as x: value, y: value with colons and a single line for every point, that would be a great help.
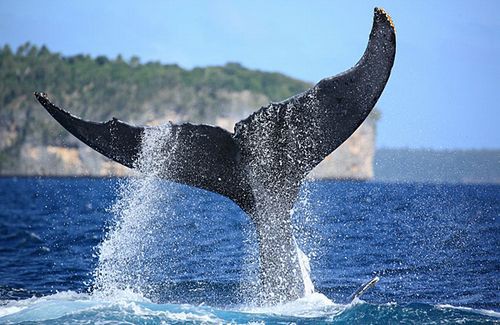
x: 131, y: 258
x: 305, y: 272
x: 127, y: 260
x: 304, y: 216
x: 77, y: 308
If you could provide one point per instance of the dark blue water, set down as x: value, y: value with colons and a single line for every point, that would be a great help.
x: 436, y: 249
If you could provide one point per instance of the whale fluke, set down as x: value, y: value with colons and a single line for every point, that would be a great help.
x: 363, y: 289
x: 206, y: 156
x: 261, y: 165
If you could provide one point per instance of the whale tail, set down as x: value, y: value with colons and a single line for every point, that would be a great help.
x: 261, y: 165
x: 275, y: 147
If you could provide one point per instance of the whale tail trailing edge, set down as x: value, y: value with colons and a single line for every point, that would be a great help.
x: 276, y: 146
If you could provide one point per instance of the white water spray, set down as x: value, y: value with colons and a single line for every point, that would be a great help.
x: 126, y: 256
x: 305, y: 272
x: 130, y: 256
x: 303, y: 216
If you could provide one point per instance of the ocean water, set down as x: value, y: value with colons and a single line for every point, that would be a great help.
x: 189, y: 256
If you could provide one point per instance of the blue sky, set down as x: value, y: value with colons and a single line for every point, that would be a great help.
x: 444, y: 91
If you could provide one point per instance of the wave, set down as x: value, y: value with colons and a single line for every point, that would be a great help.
x: 484, y: 312
x: 129, y: 307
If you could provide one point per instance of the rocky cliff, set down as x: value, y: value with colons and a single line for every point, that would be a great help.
x: 352, y: 160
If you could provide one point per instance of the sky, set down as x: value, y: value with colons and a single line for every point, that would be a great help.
x: 443, y: 93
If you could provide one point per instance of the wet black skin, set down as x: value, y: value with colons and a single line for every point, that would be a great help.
x: 262, y: 164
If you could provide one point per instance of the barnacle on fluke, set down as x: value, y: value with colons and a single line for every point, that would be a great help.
x: 387, y: 16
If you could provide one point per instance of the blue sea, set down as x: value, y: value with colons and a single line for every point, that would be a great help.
x: 84, y: 250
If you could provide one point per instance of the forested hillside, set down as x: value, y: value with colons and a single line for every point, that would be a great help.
x: 100, y: 88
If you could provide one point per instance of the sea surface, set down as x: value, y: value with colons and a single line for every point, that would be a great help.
x: 189, y: 256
